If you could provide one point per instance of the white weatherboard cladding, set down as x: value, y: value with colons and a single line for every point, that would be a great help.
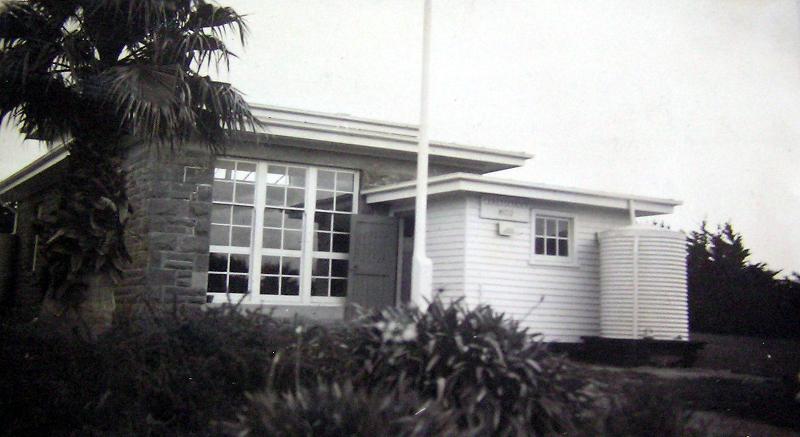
x: 560, y: 302
x: 643, y: 283
x: 446, y: 240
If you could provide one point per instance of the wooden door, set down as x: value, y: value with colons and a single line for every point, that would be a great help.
x: 372, y: 276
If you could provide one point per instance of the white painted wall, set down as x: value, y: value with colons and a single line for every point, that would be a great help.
x: 446, y: 240
x: 563, y: 303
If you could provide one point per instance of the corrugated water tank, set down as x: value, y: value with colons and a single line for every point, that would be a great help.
x: 643, y: 284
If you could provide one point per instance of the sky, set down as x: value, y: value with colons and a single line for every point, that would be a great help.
x: 697, y: 100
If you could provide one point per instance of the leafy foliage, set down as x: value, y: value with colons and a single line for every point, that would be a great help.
x: 78, y: 68
x: 730, y: 295
x: 191, y: 374
x: 476, y: 361
x: 98, y: 74
x: 340, y: 410
x: 92, y: 193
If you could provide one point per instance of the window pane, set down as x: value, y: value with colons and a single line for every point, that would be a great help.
x: 319, y: 287
x: 324, y: 199
x: 223, y: 191
x: 244, y: 193
x: 272, y: 238
x: 295, y: 197
x: 294, y: 220
x: 216, y: 283
x: 292, y: 240
x: 297, y: 177
x: 269, y: 285
x: 270, y: 265
x: 290, y: 286
x: 240, y: 236
x: 325, y: 179
x: 338, y: 287
x: 290, y: 266
x: 276, y: 174
x: 344, y: 182
x: 218, y: 262
x: 224, y: 169
x: 237, y: 284
x: 275, y: 196
x: 539, y: 246
x: 563, y: 248
x: 551, y: 246
x: 563, y: 228
x: 221, y: 214
x: 323, y: 242
x: 239, y: 263
x: 551, y: 227
x: 539, y: 226
x: 339, y: 268
x: 273, y: 217
x: 245, y: 171
x: 341, y: 243
x: 341, y: 222
x: 322, y: 221
x: 344, y: 202
x: 242, y: 215
x: 219, y: 235
x: 320, y: 267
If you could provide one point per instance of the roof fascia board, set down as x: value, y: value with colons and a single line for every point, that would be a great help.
x: 465, y: 183
x: 485, y: 159
x: 373, y: 133
x: 49, y: 159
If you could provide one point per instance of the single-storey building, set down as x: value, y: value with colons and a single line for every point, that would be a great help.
x: 315, y: 211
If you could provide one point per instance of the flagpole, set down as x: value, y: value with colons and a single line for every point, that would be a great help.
x: 421, y: 265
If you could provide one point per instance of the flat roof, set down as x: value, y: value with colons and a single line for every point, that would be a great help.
x: 465, y: 182
x: 336, y: 132
x: 375, y: 137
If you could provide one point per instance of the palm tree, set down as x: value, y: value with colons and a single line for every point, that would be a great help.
x: 91, y: 73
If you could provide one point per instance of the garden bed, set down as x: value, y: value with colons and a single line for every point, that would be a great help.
x: 450, y: 371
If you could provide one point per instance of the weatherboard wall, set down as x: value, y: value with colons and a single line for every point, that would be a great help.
x: 561, y: 302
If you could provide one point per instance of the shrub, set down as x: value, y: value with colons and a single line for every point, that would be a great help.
x: 477, y: 362
x: 340, y: 410
x: 444, y: 371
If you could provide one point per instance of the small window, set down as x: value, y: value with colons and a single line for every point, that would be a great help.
x: 553, y: 238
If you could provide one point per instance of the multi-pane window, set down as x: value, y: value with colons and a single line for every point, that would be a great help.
x: 552, y: 236
x: 262, y: 243
x: 231, y: 227
x: 282, y: 238
x: 334, y: 204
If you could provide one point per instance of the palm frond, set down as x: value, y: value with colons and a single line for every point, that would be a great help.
x: 219, y: 20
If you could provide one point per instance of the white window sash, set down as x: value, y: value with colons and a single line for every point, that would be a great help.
x: 306, y: 252
x: 554, y: 260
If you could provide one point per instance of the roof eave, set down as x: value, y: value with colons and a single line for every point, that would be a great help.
x: 645, y: 206
x: 40, y: 164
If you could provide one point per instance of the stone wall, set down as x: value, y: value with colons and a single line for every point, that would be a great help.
x: 168, y: 232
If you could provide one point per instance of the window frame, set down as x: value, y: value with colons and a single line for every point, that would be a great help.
x: 308, y: 235
x: 554, y: 260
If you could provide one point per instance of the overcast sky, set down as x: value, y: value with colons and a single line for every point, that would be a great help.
x: 697, y: 100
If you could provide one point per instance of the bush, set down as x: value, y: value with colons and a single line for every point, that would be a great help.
x: 449, y: 370
x: 340, y: 410
x: 477, y: 362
